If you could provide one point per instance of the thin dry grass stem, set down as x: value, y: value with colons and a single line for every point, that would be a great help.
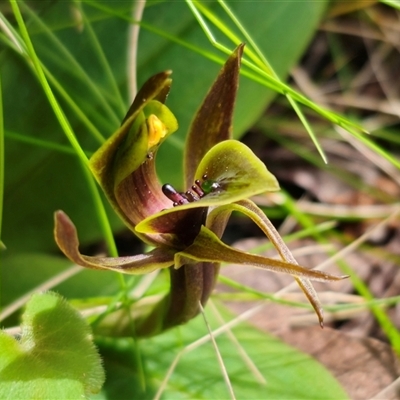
x: 307, y: 86
x: 16, y: 330
x: 290, y: 222
x: 219, y: 357
x: 342, y: 151
x: 288, y: 225
x: 50, y: 283
x: 376, y: 60
x: 137, y: 292
x: 370, y: 155
x: 365, y: 76
x: 222, y: 329
x: 98, y: 310
x: 360, y: 240
x: 342, y: 28
x: 133, y: 38
x: 388, y: 27
x: 140, y: 289
x: 169, y: 373
x: 379, y: 121
x: 363, y: 103
x: 331, y: 297
x: 308, y: 318
x: 390, y: 392
x: 394, y: 40
x: 371, y: 72
x: 203, y: 340
x: 328, y: 96
x: 313, y: 249
x: 242, y: 352
x: 11, y: 36
x: 376, y: 211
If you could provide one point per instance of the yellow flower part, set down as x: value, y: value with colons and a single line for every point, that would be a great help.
x: 156, y: 130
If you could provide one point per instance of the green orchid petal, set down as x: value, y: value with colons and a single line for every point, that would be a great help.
x: 149, y: 129
x: 103, y: 161
x: 213, y: 121
x: 131, y: 150
x: 67, y: 240
x: 208, y: 247
x: 236, y: 171
x: 235, y: 174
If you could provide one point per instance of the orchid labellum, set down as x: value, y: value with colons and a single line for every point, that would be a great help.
x: 185, y: 228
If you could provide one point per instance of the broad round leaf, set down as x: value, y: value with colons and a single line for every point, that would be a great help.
x: 55, y: 358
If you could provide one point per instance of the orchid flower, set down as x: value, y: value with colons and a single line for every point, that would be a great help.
x: 185, y: 228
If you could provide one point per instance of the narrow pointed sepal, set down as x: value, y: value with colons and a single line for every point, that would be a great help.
x: 208, y: 247
x: 66, y: 237
x: 216, y: 220
x: 312, y: 296
x: 213, y: 121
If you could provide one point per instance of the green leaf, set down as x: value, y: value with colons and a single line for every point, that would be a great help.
x: 55, y: 357
x: 38, y: 170
x: 289, y: 374
x: 125, y: 379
